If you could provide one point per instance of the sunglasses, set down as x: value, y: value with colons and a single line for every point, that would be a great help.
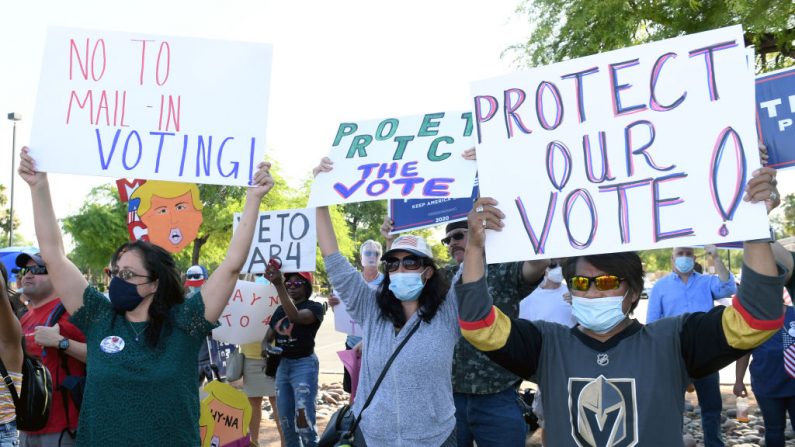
x: 36, y: 270
x: 124, y: 274
x: 294, y: 284
x: 602, y: 282
x: 409, y: 262
x: 455, y: 236
x: 370, y: 253
x: 195, y: 276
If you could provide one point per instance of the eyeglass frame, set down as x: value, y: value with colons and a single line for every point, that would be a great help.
x: 33, y: 269
x: 457, y: 236
x: 592, y: 281
x: 398, y: 262
x: 295, y: 283
x: 115, y: 273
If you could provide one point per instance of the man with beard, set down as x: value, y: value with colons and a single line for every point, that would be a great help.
x: 485, y: 393
x: 60, y: 346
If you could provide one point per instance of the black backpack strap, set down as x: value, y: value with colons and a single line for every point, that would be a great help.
x: 52, y: 320
x: 9, y: 384
x: 355, y: 424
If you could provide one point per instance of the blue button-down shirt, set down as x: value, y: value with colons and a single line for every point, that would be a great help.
x: 671, y: 297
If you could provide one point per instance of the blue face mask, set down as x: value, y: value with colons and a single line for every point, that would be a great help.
x: 598, y: 315
x: 406, y: 286
x: 123, y: 295
x: 684, y: 263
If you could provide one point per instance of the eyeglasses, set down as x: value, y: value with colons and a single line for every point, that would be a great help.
x: 409, y: 262
x: 602, y: 282
x: 370, y: 253
x: 455, y: 236
x: 195, y: 276
x: 294, y: 284
x: 36, y: 270
x: 124, y: 274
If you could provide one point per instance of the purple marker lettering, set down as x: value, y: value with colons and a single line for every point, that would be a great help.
x: 568, y: 205
x: 623, y: 207
x: 367, y: 169
x: 387, y: 168
x: 538, y: 242
x: 586, y: 149
x: 543, y: 87
x: 346, y: 192
x: 557, y: 146
x: 479, y: 116
x: 235, y: 164
x: 104, y: 162
x: 655, y: 74
x: 618, y: 109
x: 377, y: 187
x: 578, y: 77
x: 437, y: 187
x: 509, y: 111
x: 408, y: 184
x: 409, y: 169
x: 160, y: 147
x: 126, y: 145
x: 643, y: 149
x: 658, y: 203
x: 709, y: 60
x: 205, y: 153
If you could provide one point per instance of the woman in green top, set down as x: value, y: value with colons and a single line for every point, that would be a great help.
x: 143, y: 343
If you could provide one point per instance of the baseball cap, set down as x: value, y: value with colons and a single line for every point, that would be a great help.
x: 413, y: 244
x: 455, y: 225
x: 23, y: 259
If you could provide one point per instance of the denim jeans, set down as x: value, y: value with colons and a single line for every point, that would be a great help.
x: 8, y: 435
x: 296, y: 389
x: 711, y: 403
x: 774, y: 412
x: 489, y: 419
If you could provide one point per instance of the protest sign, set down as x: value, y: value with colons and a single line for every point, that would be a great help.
x: 287, y: 235
x: 247, y: 313
x: 638, y: 148
x: 343, y: 322
x: 415, y: 214
x: 224, y: 416
x: 775, y: 99
x: 414, y: 157
x: 167, y: 214
x: 135, y: 105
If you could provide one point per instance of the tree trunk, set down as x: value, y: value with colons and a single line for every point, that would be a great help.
x: 197, y: 248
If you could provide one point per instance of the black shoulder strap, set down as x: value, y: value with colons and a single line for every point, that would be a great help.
x: 355, y: 424
x: 9, y: 384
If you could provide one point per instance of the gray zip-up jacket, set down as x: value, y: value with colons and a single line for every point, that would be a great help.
x: 414, y: 404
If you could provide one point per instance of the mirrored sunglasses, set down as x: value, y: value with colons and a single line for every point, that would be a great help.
x: 453, y: 237
x: 195, y: 276
x: 602, y: 282
x: 409, y: 263
x: 293, y: 284
x: 36, y: 270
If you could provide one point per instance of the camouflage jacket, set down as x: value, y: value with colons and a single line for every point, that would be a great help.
x: 473, y: 372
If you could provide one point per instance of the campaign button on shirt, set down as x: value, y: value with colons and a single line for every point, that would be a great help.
x: 112, y: 344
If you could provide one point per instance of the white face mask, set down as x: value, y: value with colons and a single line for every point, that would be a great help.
x: 599, y: 315
x: 555, y: 274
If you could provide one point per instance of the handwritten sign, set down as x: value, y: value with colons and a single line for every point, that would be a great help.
x: 642, y: 147
x: 414, y: 214
x: 247, y: 314
x: 152, y: 107
x: 287, y: 235
x: 343, y: 322
x: 775, y: 112
x: 415, y: 157
x: 224, y: 416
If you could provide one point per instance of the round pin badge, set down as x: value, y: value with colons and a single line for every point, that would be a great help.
x: 111, y: 344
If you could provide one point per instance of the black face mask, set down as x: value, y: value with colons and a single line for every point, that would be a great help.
x: 123, y: 295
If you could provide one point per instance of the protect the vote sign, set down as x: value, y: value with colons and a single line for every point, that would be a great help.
x: 775, y: 97
x: 247, y: 313
x: 130, y: 105
x: 643, y: 147
x: 414, y: 157
x: 287, y: 235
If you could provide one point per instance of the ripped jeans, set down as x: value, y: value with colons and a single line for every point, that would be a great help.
x: 296, y: 392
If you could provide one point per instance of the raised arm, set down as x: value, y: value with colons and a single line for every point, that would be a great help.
x: 326, y: 238
x: 219, y: 285
x: 10, y: 331
x: 65, y: 276
x: 304, y: 316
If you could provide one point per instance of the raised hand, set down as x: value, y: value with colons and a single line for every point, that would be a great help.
x: 326, y: 165
x: 27, y: 169
x: 262, y: 181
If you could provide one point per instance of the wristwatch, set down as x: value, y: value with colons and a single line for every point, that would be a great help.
x: 63, y: 345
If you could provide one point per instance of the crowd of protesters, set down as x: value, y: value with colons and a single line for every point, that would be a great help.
x: 443, y: 348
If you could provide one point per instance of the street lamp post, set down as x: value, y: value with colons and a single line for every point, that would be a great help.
x: 13, y: 117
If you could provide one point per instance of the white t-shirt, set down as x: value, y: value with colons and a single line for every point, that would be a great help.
x: 547, y: 305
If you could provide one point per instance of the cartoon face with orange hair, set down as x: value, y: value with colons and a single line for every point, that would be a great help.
x: 171, y: 212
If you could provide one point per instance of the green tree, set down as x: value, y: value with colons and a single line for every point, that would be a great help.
x: 787, y: 216
x: 97, y: 229
x: 5, y: 215
x: 564, y: 29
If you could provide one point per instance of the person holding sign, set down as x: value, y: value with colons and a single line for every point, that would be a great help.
x: 612, y: 380
x: 11, y: 359
x: 294, y: 326
x: 144, y: 341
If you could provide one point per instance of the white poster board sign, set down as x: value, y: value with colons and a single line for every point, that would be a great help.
x: 344, y: 323
x: 246, y: 316
x: 287, y: 235
x: 413, y: 157
x: 130, y: 105
x: 638, y: 148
